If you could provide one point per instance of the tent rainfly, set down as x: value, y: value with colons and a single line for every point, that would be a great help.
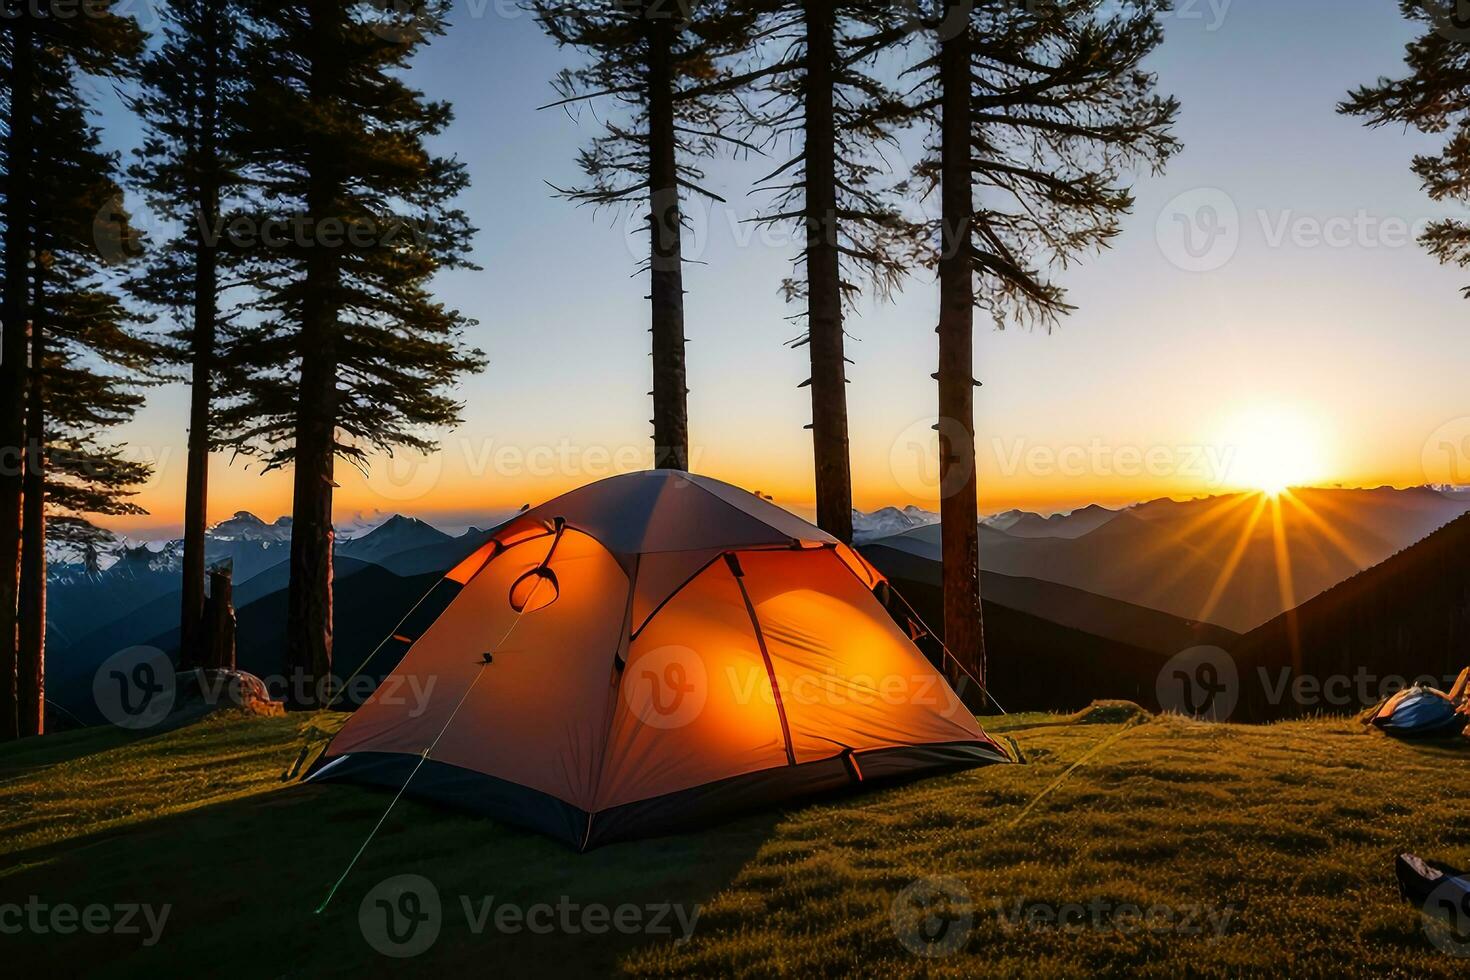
x: 649, y: 653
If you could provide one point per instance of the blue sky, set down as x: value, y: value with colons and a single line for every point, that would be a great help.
x: 1357, y: 347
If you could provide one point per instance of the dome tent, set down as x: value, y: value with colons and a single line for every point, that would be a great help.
x: 651, y: 652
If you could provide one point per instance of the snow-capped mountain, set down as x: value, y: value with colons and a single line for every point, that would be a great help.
x: 253, y: 545
x: 889, y: 521
x: 244, y: 539
x: 394, y: 536
x: 245, y: 526
x: 1008, y: 519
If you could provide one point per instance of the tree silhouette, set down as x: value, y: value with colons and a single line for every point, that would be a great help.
x: 88, y: 360
x: 1040, y: 108
x: 20, y: 93
x: 352, y: 354
x: 45, y: 49
x: 191, y: 103
x: 1433, y: 98
x: 821, y: 94
x: 643, y: 55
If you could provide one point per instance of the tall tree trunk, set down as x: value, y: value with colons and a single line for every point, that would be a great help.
x: 666, y: 252
x: 13, y: 355
x: 824, y: 278
x: 201, y: 392
x: 964, y: 633
x: 31, y: 672
x: 309, y: 602
x: 309, y: 599
x: 196, y: 488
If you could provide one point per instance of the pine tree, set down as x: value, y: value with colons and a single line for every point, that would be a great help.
x: 46, y: 50
x: 19, y: 46
x: 87, y: 355
x: 191, y: 101
x: 84, y: 542
x: 822, y: 94
x: 1040, y: 109
x: 352, y: 355
x: 643, y: 55
x: 1433, y: 98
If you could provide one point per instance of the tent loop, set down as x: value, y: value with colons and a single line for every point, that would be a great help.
x: 524, y: 590
x: 313, y: 734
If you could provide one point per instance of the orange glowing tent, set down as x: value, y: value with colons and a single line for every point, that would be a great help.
x: 647, y: 653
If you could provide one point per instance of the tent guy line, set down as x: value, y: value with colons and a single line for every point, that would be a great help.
x: 428, y: 751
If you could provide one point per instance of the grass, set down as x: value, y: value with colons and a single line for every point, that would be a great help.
x: 1275, y: 843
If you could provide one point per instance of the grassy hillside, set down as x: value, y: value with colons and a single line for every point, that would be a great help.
x: 1277, y: 842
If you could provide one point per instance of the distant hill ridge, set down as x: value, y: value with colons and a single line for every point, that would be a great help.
x: 90, y: 616
x: 1093, y: 583
x: 1405, y: 618
x: 1216, y: 559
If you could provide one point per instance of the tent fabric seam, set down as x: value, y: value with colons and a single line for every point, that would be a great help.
x: 615, y: 687
x: 672, y: 595
x: 760, y: 638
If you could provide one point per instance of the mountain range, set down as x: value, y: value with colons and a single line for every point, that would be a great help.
x: 890, y: 521
x: 135, y: 601
x: 1405, y: 616
x: 1098, y: 597
x: 1236, y: 561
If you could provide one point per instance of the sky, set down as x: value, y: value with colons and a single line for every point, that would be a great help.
x: 1264, y: 318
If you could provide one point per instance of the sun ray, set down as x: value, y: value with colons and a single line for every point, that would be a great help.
x: 1282, y: 552
x: 1227, y: 571
x: 1197, y: 552
x: 1284, y: 581
x: 1333, y: 536
x: 1220, y: 512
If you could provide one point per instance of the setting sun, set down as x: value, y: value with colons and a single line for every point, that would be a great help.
x: 1270, y: 450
